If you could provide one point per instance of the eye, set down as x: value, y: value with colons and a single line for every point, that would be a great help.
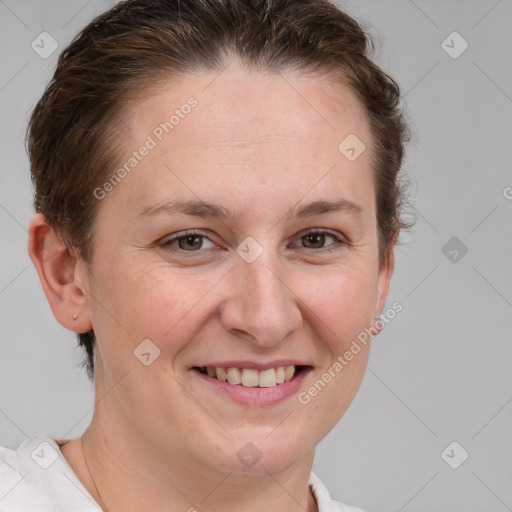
x: 190, y: 241
x: 193, y: 241
x: 316, y: 239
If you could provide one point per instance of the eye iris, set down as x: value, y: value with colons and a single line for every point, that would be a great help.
x: 195, y: 242
x: 317, y: 239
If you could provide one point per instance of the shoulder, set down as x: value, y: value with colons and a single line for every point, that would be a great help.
x: 16, y: 494
x: 35, y: 476
x: 324, y: 500
x: 9, y: 472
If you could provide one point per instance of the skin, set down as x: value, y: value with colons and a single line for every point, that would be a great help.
x: 159, y: 438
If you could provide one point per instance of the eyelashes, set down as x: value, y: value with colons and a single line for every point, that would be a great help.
x: 191, y: 242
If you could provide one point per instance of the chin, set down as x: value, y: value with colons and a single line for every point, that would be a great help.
x: 262, y: 454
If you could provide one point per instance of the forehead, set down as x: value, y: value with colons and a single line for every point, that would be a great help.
x: 252, y: 103
x: 245, y: 129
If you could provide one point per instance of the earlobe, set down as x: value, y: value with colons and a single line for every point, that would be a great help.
x: 61, y: 275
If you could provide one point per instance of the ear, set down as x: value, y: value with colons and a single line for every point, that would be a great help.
x: 62, y: 275
x: 383, y: 280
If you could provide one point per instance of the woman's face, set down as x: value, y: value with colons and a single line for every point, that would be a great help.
x: 252, y: 283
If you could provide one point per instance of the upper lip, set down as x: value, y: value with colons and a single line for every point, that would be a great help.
x: 253, y: 365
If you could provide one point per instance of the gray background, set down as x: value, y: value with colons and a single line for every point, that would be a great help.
x: 440, y: 371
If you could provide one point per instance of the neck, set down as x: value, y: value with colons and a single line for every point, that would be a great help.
x: 130, y: 475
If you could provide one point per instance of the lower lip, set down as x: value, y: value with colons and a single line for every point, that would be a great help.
x: 255, y: 395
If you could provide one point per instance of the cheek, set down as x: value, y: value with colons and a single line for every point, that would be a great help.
x: 343, y: 299
x: 341, y: 308
x: 158, y: 302
x: 342, y: 312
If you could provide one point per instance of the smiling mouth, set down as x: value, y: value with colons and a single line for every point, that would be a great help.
x: 252, y: 378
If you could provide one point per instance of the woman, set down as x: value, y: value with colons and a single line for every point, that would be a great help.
x: 218, y: 202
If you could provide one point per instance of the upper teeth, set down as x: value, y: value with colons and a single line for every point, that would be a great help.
x: 251, y: 378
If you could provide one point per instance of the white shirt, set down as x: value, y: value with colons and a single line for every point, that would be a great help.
x: 37, y: 477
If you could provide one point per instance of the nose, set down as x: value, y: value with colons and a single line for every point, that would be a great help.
x: 261, y: 305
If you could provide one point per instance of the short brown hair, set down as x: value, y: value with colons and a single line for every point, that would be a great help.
x: 129, y: 50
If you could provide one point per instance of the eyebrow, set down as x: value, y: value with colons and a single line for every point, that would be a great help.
x: 205, y: 209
